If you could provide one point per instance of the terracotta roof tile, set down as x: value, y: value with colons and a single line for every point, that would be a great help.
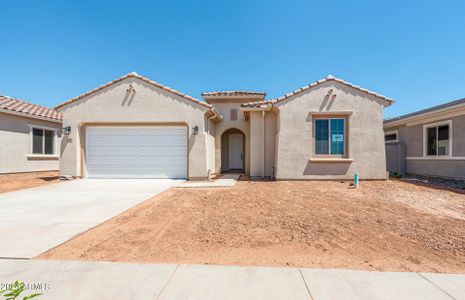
x: 15, y: 105
x: 233, y: 93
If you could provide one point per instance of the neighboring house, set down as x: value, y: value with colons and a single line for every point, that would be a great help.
x: 29, y: 136
x: 136, y: 127
x: 428, y: 142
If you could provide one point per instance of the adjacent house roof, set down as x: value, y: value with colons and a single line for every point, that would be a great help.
x: 388, y: 101
x: 428, y: 111
x: 20, y: 107
x: 135, y: 75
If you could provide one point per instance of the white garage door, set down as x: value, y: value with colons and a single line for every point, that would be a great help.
x: 136, y: 152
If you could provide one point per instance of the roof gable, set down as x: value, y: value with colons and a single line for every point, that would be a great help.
x: 387, y: 101
x: 142, y: 78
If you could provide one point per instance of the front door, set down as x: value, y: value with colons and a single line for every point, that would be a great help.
x: 236, y: 155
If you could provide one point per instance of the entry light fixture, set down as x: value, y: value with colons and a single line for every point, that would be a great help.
x: 66, y: 130
x: 195, y: 129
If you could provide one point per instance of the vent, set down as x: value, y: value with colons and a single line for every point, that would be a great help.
x: 233, y: 115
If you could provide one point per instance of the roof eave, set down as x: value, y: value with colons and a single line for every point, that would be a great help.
x: 414, y: 118
x: 23, y: 114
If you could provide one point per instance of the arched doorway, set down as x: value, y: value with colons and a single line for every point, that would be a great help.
x: 233, y: 151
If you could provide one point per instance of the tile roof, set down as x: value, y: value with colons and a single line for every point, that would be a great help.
x: 313, y: 84
x: 8, y: 104
x: 233, y: 93
x: 145, y: 79
x: 426, y: 111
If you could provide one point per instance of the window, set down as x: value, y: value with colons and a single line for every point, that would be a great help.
x: 43, y: 141
x: 390, y: 137
x: 233, y: 114
x: 437, y: 139
x: 330, y: 136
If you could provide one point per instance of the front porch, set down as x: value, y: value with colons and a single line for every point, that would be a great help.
x: 232, y: 152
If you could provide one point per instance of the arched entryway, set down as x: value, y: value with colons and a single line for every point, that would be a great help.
x: 233, y: 151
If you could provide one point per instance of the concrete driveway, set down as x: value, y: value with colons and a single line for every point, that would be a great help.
x: 35, y: 220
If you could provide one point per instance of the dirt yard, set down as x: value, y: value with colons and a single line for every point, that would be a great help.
x: 388, y: 226
x: 19, y: 181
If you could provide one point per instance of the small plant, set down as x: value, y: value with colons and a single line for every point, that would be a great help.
x: 15, y: 290
x: 395, y: 175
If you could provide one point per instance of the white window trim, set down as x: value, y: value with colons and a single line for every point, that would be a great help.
x: 329, y: 118
x: 425, y: 138
x: 55, y: 139
x: 392, y: 132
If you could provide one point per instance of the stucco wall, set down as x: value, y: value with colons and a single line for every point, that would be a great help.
x: 210, y: 146
x: 149, y: 104
x: 365, y: 134
x: 257, y: 152
x: 15, y: 145
x: 443, y: 168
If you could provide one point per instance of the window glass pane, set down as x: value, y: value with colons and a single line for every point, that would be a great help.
x: 48, y: 141
x: 431, y: 141
x: 443, y: 140
x: 321, y: 137
x: 337, y: 136
x: 37, y: 138
x: 390, y: 137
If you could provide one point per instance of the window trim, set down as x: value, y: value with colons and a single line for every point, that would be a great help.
x: 391, y: 132
x: 346, y: 142
x: 425, y: 137
x: 55, y: 139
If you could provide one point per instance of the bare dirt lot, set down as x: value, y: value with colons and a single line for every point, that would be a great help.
x: 389, y: 225
x: 19, y: 181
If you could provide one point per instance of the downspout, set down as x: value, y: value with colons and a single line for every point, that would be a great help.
x: 263, y: 144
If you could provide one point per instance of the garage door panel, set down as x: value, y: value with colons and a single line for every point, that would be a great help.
x: 136, y: 152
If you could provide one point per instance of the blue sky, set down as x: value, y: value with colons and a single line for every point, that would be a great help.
x: 412, y: 51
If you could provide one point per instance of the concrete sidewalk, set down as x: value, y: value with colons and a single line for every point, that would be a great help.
x: 107, y: 280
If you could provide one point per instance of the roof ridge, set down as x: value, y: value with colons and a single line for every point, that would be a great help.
x: 140, y: 77
x: 315, y: 83
x: 330, y: 78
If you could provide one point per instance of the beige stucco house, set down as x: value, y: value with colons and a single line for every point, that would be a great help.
x: 136, y: 127
x: 29, y: 136
x: 428, y: 142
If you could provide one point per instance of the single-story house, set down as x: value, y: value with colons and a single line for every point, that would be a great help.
x: 428, y: 142
x: 136, y: 127
x: 29, y: 135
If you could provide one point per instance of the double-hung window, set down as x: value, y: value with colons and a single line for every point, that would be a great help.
x: 43, y: 141
x: 437, y: 139
x: 330, y: 136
